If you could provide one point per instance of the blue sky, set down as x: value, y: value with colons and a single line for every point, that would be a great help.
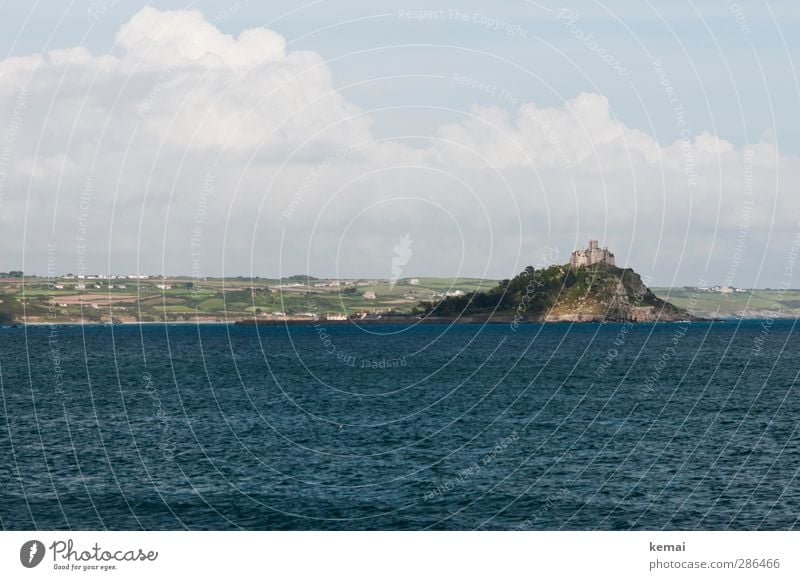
x: 734, y: 84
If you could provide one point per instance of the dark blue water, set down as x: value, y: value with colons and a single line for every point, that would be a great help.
x: 548, y: 427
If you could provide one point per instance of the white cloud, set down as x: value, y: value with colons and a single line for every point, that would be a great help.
x: 160, y: 38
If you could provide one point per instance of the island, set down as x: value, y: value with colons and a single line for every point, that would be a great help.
x: 591, y: 288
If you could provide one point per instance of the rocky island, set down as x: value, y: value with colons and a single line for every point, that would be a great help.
x: 591, y: 288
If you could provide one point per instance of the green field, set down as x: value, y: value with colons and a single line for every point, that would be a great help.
x: 764, y: 303
x: 36, y: 299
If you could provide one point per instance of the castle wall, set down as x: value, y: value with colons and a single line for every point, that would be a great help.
x: 578, y: 259
x: 592, y: 255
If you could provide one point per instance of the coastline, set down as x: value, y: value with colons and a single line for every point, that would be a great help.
x: 381, y: 321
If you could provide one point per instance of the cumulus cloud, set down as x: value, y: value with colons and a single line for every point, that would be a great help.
x: 185, y: 141
x: 157, y: 38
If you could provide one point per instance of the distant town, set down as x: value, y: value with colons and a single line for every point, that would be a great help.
x: 151, y: 298
x: 722, y: 289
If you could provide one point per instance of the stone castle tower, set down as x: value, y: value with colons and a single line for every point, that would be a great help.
x: 591, y: 255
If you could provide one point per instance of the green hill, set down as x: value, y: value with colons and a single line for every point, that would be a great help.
x: 562, y: 293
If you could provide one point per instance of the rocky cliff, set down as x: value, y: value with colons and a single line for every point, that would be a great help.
x: 564, y: 293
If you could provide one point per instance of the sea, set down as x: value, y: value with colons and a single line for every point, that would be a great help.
x: 615, y: 426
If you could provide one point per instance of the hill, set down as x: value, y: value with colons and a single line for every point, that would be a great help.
x: 562, y: 293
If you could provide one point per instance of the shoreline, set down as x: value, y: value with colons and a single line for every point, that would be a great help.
x: 384, y: 321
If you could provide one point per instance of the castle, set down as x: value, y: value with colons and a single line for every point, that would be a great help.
x: 592, y: 255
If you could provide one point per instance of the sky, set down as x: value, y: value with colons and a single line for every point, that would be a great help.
x: 342, y: 138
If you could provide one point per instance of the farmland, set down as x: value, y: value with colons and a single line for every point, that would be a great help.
x: 40, y: 300
x: 762, y: 303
